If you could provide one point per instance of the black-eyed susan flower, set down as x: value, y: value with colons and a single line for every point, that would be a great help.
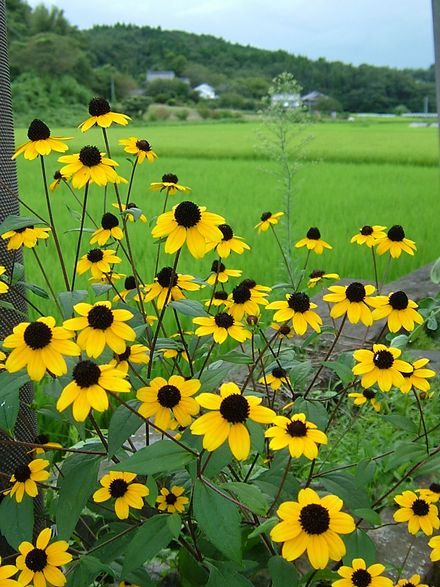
x: 227, y: 419
x: 2, y: 358
x: 26, y: 477
x: 27, y: 237
x: 244, y: 301
x: 283, y: 330
x: 168, y: 400
x: 399, y: 310
x: 219, y: 299
x: 139, y: 147
x: 57, y: 179
x: 98, y: 261
x: 174, y: 354
x: 395, y: 242
x: 359, y: 575
x: 168, y: 286
x: 382, y: 366
x: 417, y: 377
x: 367, y: 395
x: 275, y: 378
x: 420, y: 513
x: 267, y: 220
x: 138, y: 354
x: 101, y: 115
x: 126, y: 584
x: 130, y: 217
x: 318, y: 275
x: 414, y: 581
x: 313, y: 524
x: 129, y: 287
x: 43, y: 439
x: 369, y: 235
x: 434, y: 543
x: 4, y: 287
x: 221, y: 326
x: 431, y: 494
x: 88, y: 388
x: 220, y: 274
x: 90, y: 166
x: 172, y: 500
x: 40, y: 142
x: 39, y: 346
x: 297, y: 434
x: 313, y: 241
x: 353, y: 300
x: 120, y: 486
x: 188, y: 223
x: 169, y: 184
x: 39, y: 564
x: 6, y: 572
x: 100, y: 325
x: 299, y: 309
x: 229, y: 243
x: 109, y: 229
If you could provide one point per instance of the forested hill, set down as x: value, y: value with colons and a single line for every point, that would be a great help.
x: 54, y: 66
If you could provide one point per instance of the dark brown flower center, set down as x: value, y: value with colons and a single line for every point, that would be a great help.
x: 171, y: 499
x: 118, y: 488
x: 435, y: 487
x: 170, y: 178
x: 37, y: 335
x: 86, y: 373
x: 38, y: 131
x: 143, y: 145
x: 109, y: 221
x: 95, y: 255
x: 314, y: 519
x: 224, y: 320
x: 369, y: 393
x: 296, y: 428
x: 23, y: 228
x: 100, y: 317
x: 398, y: 300
x: 383, y: 359
x: 355, y: 292
x: 361, y: 578
x: 284, y: 330
x: 217, y: 267
x: 241, y: 294
x: 187, y: 214
x: 36, y: 560
x: 90, y: 156
x: 249, y: 283
x: 226, y: 231
x: 316, y: 273
x: 98, y: 107
x: 313, y: 233
x: 168, y: 396
x: 235, y: 408
x: 420, y: 507
x: 299, y: 302
x: 167, y: 277
x: 367, y: 230
x: 220, y: 295
x: 279, y: 372
x: 131, y: 205
x: 125, y: 355
x: 57, y: 174
x: 130, y: 282
x: 265, y: 216
x: 41, y: 439
x: 22, y: 473
x: 396, y: 233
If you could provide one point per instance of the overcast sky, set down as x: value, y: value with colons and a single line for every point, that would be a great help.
x: 397, y: 33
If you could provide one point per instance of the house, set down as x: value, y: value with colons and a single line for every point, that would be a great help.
x: 154, y: 75
x: 312, y: 99
x: 206, y: 92
x: 286, y: 100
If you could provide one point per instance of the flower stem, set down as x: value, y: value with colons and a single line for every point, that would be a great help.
x: 286, y: 263
x: 81, y: 228
x: 376, y: 278
x: 49, y: 285
x: 280, y: 488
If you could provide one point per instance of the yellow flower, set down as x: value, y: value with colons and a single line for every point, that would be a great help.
x: 297, y: 308
x: 45, y: 444
x: 174, y: 354
x: 125, y: 584
x: 313, y: 241
x: 170, y: 399
x: 169, y: 184
x: 351, y: 300
x: 39, y: 564
x: 275, y: 378
x: 4, y: 287
x: 25, y: 479
x: 167, y: 279
x: 220, y: 274
x: 367, y: 395
x: 313, y: 524
x: 369, y: 235
x: 99, y: 325
x: 267, y: 220
x: 296, y: 433
x: 139, y: 147
x: 27, y: 237
x: 98, y: 261
x: 120, y: 486
x: 228, y: 243
x: 39, y: 346
x: 283, y: 330
x: 413, y: 582
x: 101, y: 115
x: 6, y: 572
x: 420, y: 513
x: 172, y: 500
x: 400, y: 311
x: 395, y: 242
x: 317, y: 275
x: 88, y: 388
x: 227, y: 421
x: 130, y: 217
x: 57, y: 178
x: 359, y: 575
x: 382, y: 366
x: 90, y: 166
x: 245, y: 300
x: 432, y: 494
x: 40, y: 142
x: 109, y: 229
x: 434, y: 543
x: 138, y: 354
x: 188, y: 223
x: 221, y: 326
x: 219, y: 299
x: 417, y: 378
x: 2, y: 358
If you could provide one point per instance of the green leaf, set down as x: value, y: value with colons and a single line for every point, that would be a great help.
x: 135, y: 212
x: 78, y: 480
x: 359, y: 545
x: 282, y: 572
x: 266, y: 526
x: 12, y: 308
x: 401, y: 423
x: 315, y: 412
x: 152, y: 496
x: 122, y: 425
x: 341, y: 368
x: 432, y: 465
x: 13, y: 222
x: 214, y: 375
x: 400, y: 341
x: 152, y: 536
x: 101, y: 288
x: 86, y: 571
x: 39, y: 291
x: 10, y: 384
x: 192, y: 573
x: 189, y: 308
x: 17, y: 520
x: 236, y: 357
x: 163, y: 456
x: 405, y: 453
x: 368, y: 514
x: 250, y: 495
x: 300, y: 372
x: 69, y: 298
x: 435, y: 272
x: 219, y: 520
x: 225, y: 574
x: 345, y: 487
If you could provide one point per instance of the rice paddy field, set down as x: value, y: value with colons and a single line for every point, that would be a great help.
x: 354, y: 173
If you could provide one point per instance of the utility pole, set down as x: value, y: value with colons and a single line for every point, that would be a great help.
x: 436, y: 26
